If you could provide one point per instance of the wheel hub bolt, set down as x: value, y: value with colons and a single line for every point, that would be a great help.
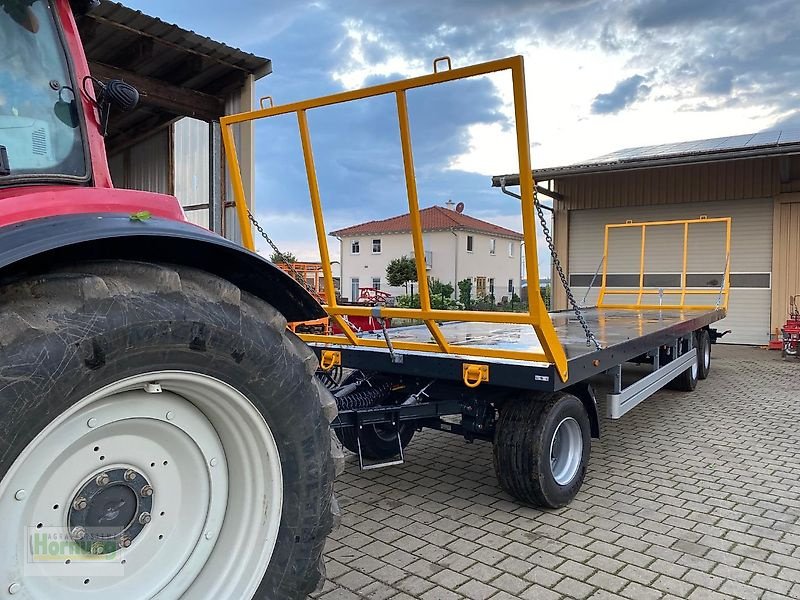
x: 78, y: 533
x: 98, y: 548
x: 14, y: 588
x: 102, y: 480
x: 125, y: 542
x: 130, y: 475
x: 145, y: 518
x: 20, y: 495
x: 147, y: 491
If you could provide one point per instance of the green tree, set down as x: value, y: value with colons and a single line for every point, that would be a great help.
x: 400, y: 271
x: 443, y: 290
x: 545, y: 291
x: 465, y: 292
x: 284, y: 257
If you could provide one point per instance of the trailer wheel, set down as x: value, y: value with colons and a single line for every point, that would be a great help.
x: 378, y: 442
x: 541, y: 448
x: 686, y: 381
x: 160, y: 424
x: 703, y: 354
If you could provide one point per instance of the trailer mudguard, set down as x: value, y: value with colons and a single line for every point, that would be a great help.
x: 40, y: 244
x: 584, y: 391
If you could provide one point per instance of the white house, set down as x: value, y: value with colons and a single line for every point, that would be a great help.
x: 457, y: 247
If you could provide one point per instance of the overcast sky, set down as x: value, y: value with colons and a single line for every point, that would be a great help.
x: 601, y: 76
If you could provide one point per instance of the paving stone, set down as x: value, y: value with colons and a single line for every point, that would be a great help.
x: 690, y: 497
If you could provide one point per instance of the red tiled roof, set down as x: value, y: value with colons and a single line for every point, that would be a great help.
x: 434, y: 218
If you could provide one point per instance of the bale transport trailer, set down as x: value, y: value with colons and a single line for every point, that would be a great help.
x: 519, y: 380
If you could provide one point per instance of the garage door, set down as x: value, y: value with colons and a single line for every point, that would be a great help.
x: 751, y: 256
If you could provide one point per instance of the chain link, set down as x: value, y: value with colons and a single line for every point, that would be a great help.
x: 300, y: 279
x: 590, y: 337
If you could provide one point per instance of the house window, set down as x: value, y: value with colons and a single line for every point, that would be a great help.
x: 376, y: 283
x: 492, y: 246
x: 355, y: 247
x: 510, y: 249
x: 510, y: 286
x: 376, y: 246
x: 354, y: 289
x: 469, y: 243
x: 491, y: 286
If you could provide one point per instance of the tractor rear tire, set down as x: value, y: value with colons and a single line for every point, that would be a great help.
x: 184, y: 398
x: 541, y: 448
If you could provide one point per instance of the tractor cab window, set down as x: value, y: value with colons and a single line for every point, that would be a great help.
x: 39, y: 125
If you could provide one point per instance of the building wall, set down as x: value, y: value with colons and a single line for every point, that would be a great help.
x: 145, y: 166
x: 449, y: 260
x: 786, y: 255
x: 767, y: 181
x: 192, y: 169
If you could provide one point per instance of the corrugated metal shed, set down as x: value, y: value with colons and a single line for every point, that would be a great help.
x: 179, y: 72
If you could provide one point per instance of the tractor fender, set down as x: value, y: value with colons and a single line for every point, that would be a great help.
x: 40, y: 244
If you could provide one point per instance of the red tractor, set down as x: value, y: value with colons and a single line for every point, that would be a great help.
x: 790, y: 332
x: 162, y: 434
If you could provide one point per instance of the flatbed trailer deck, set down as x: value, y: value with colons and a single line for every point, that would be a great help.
x: 519, y: 380
x: 623, y: 335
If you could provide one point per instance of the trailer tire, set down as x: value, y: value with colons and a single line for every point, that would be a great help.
x: 686, y: 381
x: 542, y: 447
x: 703, y: 354
x: 188, y: 366
x: 378, y: 442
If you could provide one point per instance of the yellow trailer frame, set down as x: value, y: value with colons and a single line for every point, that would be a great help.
x: 537, y: 316
x: 722, y: 293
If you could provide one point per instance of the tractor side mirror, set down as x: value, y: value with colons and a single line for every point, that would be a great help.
x: 122, y: 96
x: 115, y: 92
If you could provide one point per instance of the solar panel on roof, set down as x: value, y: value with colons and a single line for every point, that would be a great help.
x: 789, y: 136
x: 763, y: 139
x: 732, y: 142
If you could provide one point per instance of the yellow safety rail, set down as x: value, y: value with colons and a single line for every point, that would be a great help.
x: 683, y: 290
x: 537, y: 317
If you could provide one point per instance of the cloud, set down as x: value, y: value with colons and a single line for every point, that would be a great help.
x: 791, y: 121
x: 624, y: 94
x: 707, y: 68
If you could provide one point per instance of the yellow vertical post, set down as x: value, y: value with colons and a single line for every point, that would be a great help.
x: 602, y: 293
x: 685, y: 260
x: 319, y: 223
x: 641, y: 268
x: 542, y: 323
x: 727, y: 281
x: 416, y: 220
x: 237, y: 183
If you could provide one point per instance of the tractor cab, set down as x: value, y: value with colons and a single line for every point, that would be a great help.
x: 42, y: 133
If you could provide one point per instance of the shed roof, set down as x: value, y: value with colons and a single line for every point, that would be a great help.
x: 434, y: 218
x: 178, y: 71
x: 751, y: 145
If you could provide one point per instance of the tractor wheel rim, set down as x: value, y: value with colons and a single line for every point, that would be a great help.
x: 695, y: 368
x: 196, y: 501
x: 566, y: 451
x: 707, y: 356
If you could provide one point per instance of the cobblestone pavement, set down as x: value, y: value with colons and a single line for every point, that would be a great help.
x: 691, y: 495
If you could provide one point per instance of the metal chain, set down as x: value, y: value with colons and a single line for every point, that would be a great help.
x: 300, y: 279
x: 590, y: 337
